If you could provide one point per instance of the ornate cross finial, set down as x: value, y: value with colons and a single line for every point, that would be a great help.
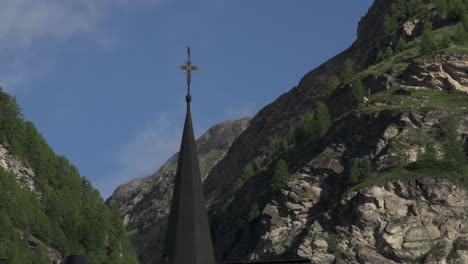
x: 188, y: 68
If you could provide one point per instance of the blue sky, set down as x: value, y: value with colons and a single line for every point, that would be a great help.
x: 100, y: 78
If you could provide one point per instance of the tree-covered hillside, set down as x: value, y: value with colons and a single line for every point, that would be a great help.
x: 62, y: 211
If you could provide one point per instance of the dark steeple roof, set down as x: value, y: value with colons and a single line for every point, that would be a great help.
x: 188, y: 234
x: 74, y: 259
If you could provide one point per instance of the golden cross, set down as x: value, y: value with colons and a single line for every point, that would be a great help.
x: 188, y: 68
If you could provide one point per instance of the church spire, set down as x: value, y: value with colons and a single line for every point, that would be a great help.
x: 188, y: 239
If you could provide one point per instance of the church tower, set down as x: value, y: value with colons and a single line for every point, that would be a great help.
x: 188, y: 239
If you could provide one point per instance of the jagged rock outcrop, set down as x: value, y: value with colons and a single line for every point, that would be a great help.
x: 385, y: 231
x: 396, y: 222
x: 24, y: 174
x: 144, y: 203
x: 287, y: 222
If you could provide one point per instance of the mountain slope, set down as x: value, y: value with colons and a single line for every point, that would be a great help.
x: 364, y: 161
x: 47, y: 210
x: 365, y: 177
x: 144, y: 203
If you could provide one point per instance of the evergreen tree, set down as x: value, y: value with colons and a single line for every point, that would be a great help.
x: 399, y: 9
x: 401, y: 45
x: 427, y: 44
x: 380, y: 56
x: 254, y: 212
x: 460, y: 35
x: 332, y: 83
x: 452, y: 147
x: 279, y: 147
x: 357, y: 91
x: 456, y: 9
x: 431, y: 153
x: 348, y: 73
x: 391, y: 25
x: 413, y: 6
x: 304, y: 133
x: 442, y: 7
x: 247, y: 172
x: 445, y: 41
x: 280, y: 177
x: 360, y: 170
x: 323, y: 120
x: 388, y: 53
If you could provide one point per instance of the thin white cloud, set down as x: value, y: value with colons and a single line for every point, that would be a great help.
x: 145, y: 152
x: 24, y: 23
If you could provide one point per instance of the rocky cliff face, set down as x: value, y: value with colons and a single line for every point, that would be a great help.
x: 145, y: 203
x: 308, y: 211
x: 26, y: 177
x: 24, y: 174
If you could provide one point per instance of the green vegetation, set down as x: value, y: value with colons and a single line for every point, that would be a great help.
x: 208, y: 160
x: 247, y: 172
x: 400, y: 46
x: 402, y: 10
x: 254, y: 212
x: 332, y: 243
x: 332, y: 84
x: 428, y: 42
x: 436, y: 251
x: 446, y: 41
x: 348, y: 73
x: 452, y: 165
x: 358, y: 91
x: 361, y: 170
x: 280, y: 177
x: 458, y: 245
x: 418, y: 100
x: 408, y: 173
x: 65, y: 211
x: 388, y: 53
x: 451, y: 146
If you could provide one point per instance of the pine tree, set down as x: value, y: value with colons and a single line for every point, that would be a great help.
x: 452, y: 147
x: 247, y: 172
x: 323, y: 120
x: 401, y: 45
x: 456, y: 9
x: 442, y: 7
x: 460, y: 35
x: 391, y: 24
x: 332, y: 83
x: 360, y: 170
x: 431, y: 153
x: 427, y: 44
x: 413, y: 6
x: 445, y: 41
x: 280, y: 177
x: 279, y: 147
x: 348, y: 73
x: 357, y: 91
x: 380, y: 56
x: 388, y: 53
x: 254, y: 212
